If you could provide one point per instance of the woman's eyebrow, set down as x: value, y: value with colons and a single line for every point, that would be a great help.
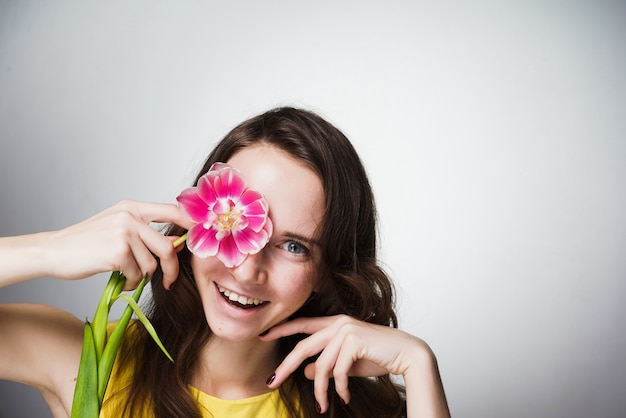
x: 298, y: 237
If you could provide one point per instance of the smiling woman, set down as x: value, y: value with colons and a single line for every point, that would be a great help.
x: 276, y: 307
x: 283, y: 275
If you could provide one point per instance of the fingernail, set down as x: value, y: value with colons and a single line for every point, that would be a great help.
x: 270, y: 379
x: 318, y: 408
x: 264, y: 332
x: 342, y: 401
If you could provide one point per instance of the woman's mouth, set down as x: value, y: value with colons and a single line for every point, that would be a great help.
x: 240, y: 301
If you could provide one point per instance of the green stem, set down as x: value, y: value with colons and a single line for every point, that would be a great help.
x: 98, y: 354
x: 180, y: 240
x: 115, y: 340
x: 101, y: 317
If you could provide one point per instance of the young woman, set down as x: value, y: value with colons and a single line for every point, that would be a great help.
x: 302, y: 327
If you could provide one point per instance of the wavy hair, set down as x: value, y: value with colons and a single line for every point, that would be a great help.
x: 351, y: 280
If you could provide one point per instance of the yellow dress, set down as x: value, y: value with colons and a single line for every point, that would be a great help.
x: 266, y: 405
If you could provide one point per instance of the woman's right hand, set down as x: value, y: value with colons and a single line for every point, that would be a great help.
x: 117, y: 239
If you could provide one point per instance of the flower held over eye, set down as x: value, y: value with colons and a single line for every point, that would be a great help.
x: 231, y: 220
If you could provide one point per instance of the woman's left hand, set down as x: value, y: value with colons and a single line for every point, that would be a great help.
x: 348, y: 347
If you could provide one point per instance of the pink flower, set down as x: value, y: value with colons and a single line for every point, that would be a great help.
x: 231, y: 220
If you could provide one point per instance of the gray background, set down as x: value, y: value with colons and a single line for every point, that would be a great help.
x: 494, y: 133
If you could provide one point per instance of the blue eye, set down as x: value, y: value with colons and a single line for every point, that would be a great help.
x: 295, y: 247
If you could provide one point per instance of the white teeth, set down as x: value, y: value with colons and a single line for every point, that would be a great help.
x: 238, y: 298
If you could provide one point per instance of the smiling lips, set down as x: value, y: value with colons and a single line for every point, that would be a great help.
x: 239, y: 300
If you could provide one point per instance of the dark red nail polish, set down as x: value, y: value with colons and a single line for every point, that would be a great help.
x: 342, y: 401
x: 270, y: 379
x: 267, y: 331
x: 318, y: 408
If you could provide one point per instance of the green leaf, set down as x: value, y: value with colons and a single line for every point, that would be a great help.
x: 86, y: 403
x: 146, y: 323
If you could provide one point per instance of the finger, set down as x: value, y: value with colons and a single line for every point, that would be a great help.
x: 131, y: 271
x: 162, y: 248
x: 140, y: 214
x: 326, y: 368
x: 343, y: 366
x: 146, y: 263
x: 180, y: 246
x: 151, y: 212
x: 164, y: 212
x: 306, y: 348
x: 320, y: 383
x: 360, y: 368
x: 309, y: 371
x: 298, y: 326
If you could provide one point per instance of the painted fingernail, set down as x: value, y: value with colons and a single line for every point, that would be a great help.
x: 342, y: 401
x: 264, y: 332
x: 270, y: 379
x: 318, y: 407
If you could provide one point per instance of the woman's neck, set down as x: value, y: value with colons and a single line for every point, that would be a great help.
x: 235, y: 370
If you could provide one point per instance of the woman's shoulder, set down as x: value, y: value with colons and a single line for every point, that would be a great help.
x: 49, y: 333
x: 40, y: 346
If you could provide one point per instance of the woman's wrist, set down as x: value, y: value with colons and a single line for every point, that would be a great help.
x: 23, y: 258
x: 424, y: 389
x: 421, y: 361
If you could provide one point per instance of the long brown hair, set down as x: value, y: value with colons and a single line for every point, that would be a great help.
x: 351, y: 280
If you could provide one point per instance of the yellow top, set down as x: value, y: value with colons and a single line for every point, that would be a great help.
x: 266, y: 405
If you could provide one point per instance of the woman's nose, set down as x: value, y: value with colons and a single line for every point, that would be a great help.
x: 252, y: 270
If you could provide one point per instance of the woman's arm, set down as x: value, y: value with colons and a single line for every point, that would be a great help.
x: 40, y: 346
x: 21, y: 258
x: 117, y: 239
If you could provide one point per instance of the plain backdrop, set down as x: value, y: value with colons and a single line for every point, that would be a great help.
x: 494, y: 133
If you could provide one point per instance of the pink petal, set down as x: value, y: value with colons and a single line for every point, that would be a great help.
x: 229, y: 254
x: 250, y: 196
x: 255, y: 223
x: 218, y: 166
x: 255, y: 213
x: 206, y: 191
x: 236, y: 183
x: 202, y: 242
x: 192, y: 205
x: 230, y: 184
x: 251, y: 242
x: 220, y: 235
x: 268, y: 227
x: 254, y: 208
x: 222, y: 206
x: 219, y: 184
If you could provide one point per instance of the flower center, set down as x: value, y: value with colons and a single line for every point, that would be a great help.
x: 228, y: 220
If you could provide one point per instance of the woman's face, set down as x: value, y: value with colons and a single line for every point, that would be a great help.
x: 283, y: 274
